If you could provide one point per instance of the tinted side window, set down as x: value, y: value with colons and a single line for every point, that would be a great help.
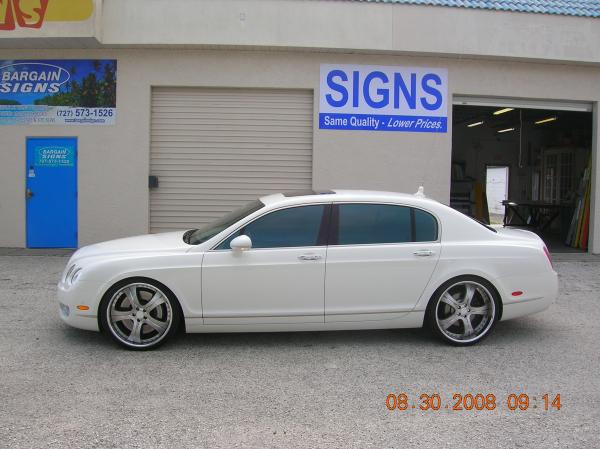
x: 425, y: 226
x: 373, y: 223
x: 296, y: 226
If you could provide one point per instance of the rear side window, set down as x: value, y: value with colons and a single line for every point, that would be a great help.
x: 426, y: 228
x: 295, y: 226
x: 363, y: 224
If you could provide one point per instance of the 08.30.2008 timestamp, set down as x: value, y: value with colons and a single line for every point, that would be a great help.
x: 478, y: 402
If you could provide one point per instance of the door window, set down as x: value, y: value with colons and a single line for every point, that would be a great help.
x: 363, y: 224
x: 292, y: 227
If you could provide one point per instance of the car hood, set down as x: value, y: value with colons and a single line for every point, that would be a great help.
x: 149, y: 243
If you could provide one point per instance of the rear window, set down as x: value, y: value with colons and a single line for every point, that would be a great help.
x: 307, y: 192
x: 487, y: 226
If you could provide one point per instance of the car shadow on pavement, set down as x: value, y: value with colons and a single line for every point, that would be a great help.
x: 523, y: 330
x: 314, y: 339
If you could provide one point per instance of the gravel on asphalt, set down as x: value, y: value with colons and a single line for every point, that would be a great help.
x: 66, y: 388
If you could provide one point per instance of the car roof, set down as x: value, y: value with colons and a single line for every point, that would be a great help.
x: 343, y: 195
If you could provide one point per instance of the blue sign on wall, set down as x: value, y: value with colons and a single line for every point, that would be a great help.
x: 54, y: 156
x: 58, y: 92
x: 383, y: 98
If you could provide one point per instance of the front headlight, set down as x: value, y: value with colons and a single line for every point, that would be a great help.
x: 72, y: 274
x: 75, y: 275
x: 68, y: 273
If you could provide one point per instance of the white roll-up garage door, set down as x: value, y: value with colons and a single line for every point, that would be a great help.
x: 214, y: 150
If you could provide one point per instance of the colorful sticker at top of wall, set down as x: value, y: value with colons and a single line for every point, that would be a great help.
x: 54, y: 156
x: 15, y: 14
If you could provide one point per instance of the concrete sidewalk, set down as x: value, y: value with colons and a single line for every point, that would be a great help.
x: 35, y: 252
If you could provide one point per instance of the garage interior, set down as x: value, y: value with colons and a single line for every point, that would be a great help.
x: 524, y: 167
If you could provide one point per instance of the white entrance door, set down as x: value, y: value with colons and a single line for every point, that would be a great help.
x: 496, y: 188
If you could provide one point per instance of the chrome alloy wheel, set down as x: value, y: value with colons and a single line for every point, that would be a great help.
x: 465, y: 311
x: 139, y: 315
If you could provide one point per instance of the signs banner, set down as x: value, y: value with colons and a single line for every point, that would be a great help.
x: 383, y: 98
x: 58, y: 92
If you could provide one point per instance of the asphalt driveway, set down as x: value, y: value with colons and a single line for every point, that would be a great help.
x: 65, y: 388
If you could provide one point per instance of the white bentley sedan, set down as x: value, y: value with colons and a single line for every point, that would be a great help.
x: 312, y: 261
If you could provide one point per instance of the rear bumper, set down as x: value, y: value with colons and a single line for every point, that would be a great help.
x: 79, y: 294
x: 516, y: 310
x: 539, y: 292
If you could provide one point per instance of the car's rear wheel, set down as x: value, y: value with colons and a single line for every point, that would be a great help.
x: 139, y: 314
x: 463, y: 310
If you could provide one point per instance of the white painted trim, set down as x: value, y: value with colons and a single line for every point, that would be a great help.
x: 559, y: 105
x: 594, y: 228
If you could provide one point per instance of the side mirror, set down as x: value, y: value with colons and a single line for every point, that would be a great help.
x: 241, y: 243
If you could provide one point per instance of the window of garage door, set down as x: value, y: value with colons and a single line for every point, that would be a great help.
x: 214, y: 150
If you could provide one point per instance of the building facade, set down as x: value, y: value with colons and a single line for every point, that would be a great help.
x: 218, y: 102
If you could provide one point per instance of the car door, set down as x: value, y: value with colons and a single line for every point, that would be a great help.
x: 281, y: 279
x: 380, y: 259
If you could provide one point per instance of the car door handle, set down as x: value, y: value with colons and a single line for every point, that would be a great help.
x: 423, y: 253
x: 309, y: 257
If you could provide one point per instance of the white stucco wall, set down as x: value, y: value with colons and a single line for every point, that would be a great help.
x: 351, y: 25
x: 330, y: 25
x: 114, y: 160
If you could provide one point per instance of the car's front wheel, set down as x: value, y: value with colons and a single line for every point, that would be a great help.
x: 463, y: 310
x: 139, y: 314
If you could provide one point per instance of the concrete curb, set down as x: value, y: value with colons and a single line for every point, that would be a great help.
x: 35, y: 252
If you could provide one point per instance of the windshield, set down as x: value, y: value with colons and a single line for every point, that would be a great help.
x: 201, y: 235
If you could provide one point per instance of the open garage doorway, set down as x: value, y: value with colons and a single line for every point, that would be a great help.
x: 526, y: 167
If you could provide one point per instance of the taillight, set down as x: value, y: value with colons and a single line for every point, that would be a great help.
x: 549, y: 256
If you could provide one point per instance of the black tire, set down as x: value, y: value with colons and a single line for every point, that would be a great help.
x: 147, y: 328
x: 485, y: 299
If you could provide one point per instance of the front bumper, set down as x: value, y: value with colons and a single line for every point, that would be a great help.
x: 81, y: 293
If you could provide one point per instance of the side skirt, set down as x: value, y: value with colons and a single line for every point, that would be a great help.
x: 408, y: 320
